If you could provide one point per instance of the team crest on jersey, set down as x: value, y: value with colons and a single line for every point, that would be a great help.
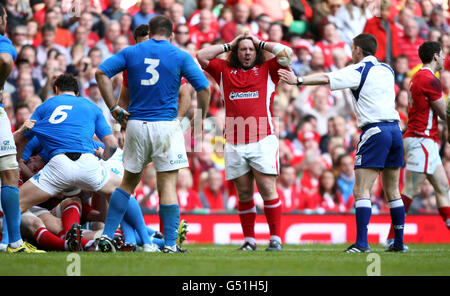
x: 358, y: 159
x: 233, y: 72
x: 255, y: 71
x: 244, y: 95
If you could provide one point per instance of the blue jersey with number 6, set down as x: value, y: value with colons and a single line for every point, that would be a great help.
x: 155, y: 69
x: 67, y: 123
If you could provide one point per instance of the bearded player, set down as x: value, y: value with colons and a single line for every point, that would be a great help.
x: 248, y: 84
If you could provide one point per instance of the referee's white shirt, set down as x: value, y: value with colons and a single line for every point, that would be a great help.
x: 373, y: 87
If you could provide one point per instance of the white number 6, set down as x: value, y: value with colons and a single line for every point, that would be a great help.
x: 151, y: 69
x: 59, y: 112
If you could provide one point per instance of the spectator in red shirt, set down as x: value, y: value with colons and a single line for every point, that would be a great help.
x: 176, y: 14
x: 125, y: 26
x: 241, y: 13
x: 385, y: 31
x: 276, y: 33
x: 331, y: 198
x: 181, y: 34
x: 87, y: 21
x: 194, y: 18
x: 409, y: 44
x: 212, y: 193
x: 62, y: 36
x: 188, y: 198
x: 314, y: 167
x: 330, y: 42
x: 203, y: 31
x: 288, y: 189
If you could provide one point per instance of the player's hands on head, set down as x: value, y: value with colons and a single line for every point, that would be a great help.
x: 287, y: 76
x: 234, y: 42
x: 255, y: 39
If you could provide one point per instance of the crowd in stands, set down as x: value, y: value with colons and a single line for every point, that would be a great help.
x: 317, y: 130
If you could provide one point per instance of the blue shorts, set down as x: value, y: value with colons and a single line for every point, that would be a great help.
x: 380, y: 146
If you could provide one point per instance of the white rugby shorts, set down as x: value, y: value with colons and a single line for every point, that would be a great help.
x: 422, y: 155
x: 263, y: 156
x: 160, y: 142
x: 61, y: 173
x: 7, y: 144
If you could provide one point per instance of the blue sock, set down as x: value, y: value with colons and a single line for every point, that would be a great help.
x: 5, y: 236
x: 11, y: 211
x: 363, y: 209
x: 134, y: 217
x: 150, y: 231
x: 117, y: 208
x: 170, y: 215
x: 138, y: 238
x: 398, y: 221
x: 159, y: 242
x: 128, y: 232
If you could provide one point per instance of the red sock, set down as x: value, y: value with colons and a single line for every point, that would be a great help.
x: 406, y: 203
x: 272, y: 210
x: 445, y: 214
x: 71, y: 214
x: 84, y: 242
x: 86, y: 210
x: 48, y: 240
x: 247, y: 215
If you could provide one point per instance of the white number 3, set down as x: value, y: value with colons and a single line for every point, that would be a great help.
x: 59, y: 115
x: 153, y: 63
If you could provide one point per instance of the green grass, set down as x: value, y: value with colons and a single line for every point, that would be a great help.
x: 213, y: 260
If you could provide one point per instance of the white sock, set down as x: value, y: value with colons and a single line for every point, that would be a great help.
x: 250, y: 240
x: 16, y: 244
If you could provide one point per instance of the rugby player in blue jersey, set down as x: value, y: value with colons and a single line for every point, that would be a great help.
x: 65, y: 125
x: 154, y: 71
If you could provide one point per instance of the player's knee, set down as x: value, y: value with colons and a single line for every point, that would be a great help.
x: 411, y: 190
x: 31, y: 222
x: 9, y: 170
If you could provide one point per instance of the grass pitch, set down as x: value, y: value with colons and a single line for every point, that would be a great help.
x: 213, y: 260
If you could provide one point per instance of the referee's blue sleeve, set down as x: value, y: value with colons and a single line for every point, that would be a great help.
x: 115, y: 64
x: 194, y: 74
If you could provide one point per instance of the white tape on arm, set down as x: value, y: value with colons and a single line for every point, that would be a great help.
x: 281, y: 58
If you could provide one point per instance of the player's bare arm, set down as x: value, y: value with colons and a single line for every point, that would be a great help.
x: 19, y: 136
x: 124, y: 98
x: 185, y: 100
x: 106, y: 88
x: 110, y: 142
x: 6, y: 65
x: 438, y: 106
x: 289, y: 77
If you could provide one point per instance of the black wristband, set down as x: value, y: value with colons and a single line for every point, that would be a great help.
x: 226, y: 47
x: 262, y: 44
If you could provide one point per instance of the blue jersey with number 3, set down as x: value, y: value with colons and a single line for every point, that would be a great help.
x: 67, y: 123
x: 155, y: 69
